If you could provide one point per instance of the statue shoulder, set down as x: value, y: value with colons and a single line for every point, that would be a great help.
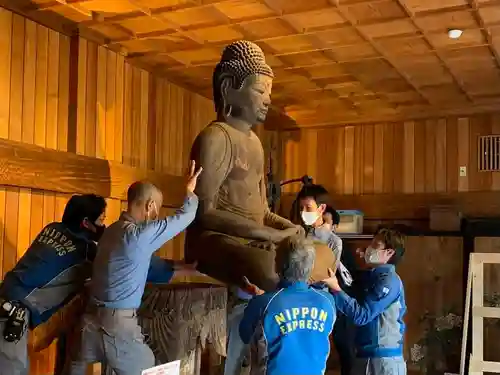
x: 214, y: 134
x: 212, y: 145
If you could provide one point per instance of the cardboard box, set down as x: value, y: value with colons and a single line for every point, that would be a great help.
x: 351, y: 221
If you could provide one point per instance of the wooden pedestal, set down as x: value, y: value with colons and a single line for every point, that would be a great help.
x: 184, y: 321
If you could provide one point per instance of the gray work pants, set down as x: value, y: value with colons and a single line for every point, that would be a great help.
x: 112, y: 337
x: 236, y: 349
x: 379, y: 366
x: 13, y: 355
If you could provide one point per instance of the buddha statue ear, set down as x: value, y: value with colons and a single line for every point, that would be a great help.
x: 227, y: 90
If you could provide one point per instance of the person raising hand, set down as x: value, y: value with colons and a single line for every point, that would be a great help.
x: 112, y: 334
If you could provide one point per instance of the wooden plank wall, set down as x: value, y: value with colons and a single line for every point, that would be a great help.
x: 431, y: 268
x: 127, y: 115
x: 386, y: 162
x: 118, y: 112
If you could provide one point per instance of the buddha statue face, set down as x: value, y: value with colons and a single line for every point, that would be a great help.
x: 242, y: 83
x: 250, y: 102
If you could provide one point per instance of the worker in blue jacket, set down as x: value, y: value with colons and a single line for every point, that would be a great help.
x: 378, y: 308
x: 49, y: 274
x: 288, y: 329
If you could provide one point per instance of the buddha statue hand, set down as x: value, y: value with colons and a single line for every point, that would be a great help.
x: 280, y: 235
x: 301, y: 231
x: 264, y: 245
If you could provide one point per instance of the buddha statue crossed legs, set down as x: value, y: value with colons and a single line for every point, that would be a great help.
x: 235, y: 233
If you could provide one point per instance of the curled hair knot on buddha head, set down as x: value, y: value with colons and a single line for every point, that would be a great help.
x: 238, y: 61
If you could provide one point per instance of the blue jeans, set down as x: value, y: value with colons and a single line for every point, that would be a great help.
x: 236, y: 349
x: 13, y: 355
x: 343, y: 339
x: 114, y: 338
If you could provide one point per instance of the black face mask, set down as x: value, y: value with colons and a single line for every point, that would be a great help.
x: 99, y: 230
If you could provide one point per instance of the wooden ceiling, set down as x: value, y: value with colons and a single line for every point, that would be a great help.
x: 335, y: 61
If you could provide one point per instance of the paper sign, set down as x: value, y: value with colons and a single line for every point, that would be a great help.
x: 171, y: 368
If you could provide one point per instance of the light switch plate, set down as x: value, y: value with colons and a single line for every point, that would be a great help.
x: 463, y: 171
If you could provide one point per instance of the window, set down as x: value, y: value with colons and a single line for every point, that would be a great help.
x: 488, y: 153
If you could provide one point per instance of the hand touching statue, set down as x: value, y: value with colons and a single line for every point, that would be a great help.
x: 332, y: 282
x: 192, y: 176
x: 251, y: 289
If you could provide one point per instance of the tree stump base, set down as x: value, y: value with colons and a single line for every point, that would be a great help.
x: 183, y: 322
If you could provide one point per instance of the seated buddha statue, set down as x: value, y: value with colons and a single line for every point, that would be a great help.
x: 234, y: 233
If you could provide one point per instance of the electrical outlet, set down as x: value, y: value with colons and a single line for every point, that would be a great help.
x: 463, y: 171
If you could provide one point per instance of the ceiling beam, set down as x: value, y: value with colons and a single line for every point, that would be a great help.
x: 302, y: 122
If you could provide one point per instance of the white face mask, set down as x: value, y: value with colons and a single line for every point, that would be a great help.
x: 372, y: 256
x: 309, y: 218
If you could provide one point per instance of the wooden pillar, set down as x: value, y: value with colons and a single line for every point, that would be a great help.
x: 74, y: 50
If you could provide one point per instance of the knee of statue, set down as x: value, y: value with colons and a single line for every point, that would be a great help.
x: 229, y: 259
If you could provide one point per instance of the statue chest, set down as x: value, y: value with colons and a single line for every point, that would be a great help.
x: 247, y: 159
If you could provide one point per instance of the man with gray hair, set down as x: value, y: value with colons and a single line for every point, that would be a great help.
x: 288, y: 329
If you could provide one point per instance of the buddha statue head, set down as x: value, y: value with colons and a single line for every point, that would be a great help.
x: 242, y: 83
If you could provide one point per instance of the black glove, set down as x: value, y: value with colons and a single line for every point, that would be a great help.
x: 16, y: 323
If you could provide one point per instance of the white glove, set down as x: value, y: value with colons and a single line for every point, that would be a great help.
x: 345, y: 275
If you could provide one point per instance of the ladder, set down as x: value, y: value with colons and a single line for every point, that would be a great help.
x: 475, y: 297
